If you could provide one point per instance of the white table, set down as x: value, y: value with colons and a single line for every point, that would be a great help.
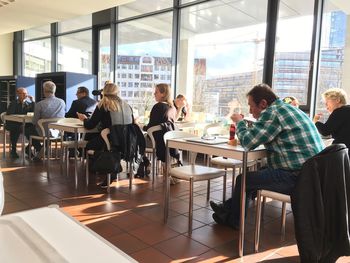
x: 75, y: 129
x: 224, y: 150
x: 20, y: 119
x: 50, y: 235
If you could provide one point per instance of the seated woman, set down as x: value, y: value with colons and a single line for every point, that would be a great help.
x: 163, y: 111
x: 338, y: 124
x: 111, y: 110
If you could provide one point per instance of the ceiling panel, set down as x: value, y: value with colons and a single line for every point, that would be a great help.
x: 24, y: 14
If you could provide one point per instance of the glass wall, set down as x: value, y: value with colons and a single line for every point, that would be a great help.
x: 37, y: 57
x: 75, y: 52
x: 141, y: 7
x: 144, y: 58
x: 334, y: 60
x: 104, y: 55
x: 221, y: 55
x: 75, y: 24
x: 293, y: 46
x: 37, y: 32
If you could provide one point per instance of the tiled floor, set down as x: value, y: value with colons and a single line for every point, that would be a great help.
x: 133, y: 219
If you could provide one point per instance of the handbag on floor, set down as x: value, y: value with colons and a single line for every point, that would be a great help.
x: 107, y: 162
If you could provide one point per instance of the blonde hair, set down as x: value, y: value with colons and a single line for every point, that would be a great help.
x: 166, y: 91
x: 335, y: 94
x: 110, y: 100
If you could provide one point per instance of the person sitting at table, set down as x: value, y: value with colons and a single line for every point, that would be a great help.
x: 50, y: 107
x: 163, y: 112
x: 292, y: 101
x: 338, y: 124
x: 182, y: 108
x: 84, y: 104
x: 22, y: 105
x: 289, y: 137
x: 111, y: 110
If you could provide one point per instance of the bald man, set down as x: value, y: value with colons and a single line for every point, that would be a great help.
x: 23, y: 104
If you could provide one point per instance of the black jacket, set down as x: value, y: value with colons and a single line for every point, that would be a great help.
x: 128, y: 140
x: 320, y: 206
x: 85, y: 105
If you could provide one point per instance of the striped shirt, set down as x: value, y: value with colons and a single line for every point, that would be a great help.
x: 287, y: 133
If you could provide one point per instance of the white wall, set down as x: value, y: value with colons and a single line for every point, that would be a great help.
x: 6, y: 54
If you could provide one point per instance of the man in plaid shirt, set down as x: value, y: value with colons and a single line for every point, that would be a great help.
x: 290, y: 138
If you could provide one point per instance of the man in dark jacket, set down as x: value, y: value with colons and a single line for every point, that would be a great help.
x: 23, y: 104
x: 84, y: 104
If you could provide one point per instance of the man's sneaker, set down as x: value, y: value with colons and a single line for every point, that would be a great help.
x: 104, y: 184
x: 14, y: 155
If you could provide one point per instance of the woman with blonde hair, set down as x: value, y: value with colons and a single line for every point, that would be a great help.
x: 338, y: 124
x: 163, y: 110
x: 111, y: 110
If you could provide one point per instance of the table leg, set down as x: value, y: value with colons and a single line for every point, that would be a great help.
x: 48, y: 155
x: 76, y: 157
x: 243, y: 200
x: 4, y: 142
x: 166, y: 184
x: 23, y: 142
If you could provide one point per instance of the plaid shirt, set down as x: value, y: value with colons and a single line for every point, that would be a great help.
x: 287, y: 133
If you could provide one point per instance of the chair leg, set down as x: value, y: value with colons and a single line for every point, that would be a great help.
x: 153, y: 165
x: 208, y: 191
x: 257, y: 222
x: 224, y: 187
x: 108, y: 182
x: 283, y: 221
x: 87, y: 170
x: 233, y: 179
x: 190, y: 212
x: 263, y: 207
x: 30, y: 148
x: 131, y: 172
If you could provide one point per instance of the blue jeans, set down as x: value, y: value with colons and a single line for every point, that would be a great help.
x: 279, y: 180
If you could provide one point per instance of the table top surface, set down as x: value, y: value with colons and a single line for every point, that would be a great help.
x: 49, y: 232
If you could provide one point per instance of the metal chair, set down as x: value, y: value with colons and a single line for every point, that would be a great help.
x: 104, y: 135
x: 45, y: 135
x: 152, y: 150
x: 276, y: 196
x: 66, y: 145
x: 194, y: 173
x: 2, y: 117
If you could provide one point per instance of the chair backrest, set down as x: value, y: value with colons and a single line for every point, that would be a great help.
x: 2, y: 116
x: 43, y: 125
x: 2, y: 194
x: 70, y: 120
x: 213, y: 129
x: 177, y: 135
x: 104, y: 135
x: 150, y: 132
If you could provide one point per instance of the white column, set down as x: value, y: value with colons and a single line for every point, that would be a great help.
x: 6, y: 54
x: 185, y: 69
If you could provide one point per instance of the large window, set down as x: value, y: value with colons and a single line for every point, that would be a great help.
x: 293, y: 46
x: 37, y: 32
x: 104, y: 57
x: 144, y: 50
x: 74, y: 52
x: 75, y: 23
x: 37, y: 57
x: 334, y: 61
x: 140, y: 7
x: 221, y: 54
